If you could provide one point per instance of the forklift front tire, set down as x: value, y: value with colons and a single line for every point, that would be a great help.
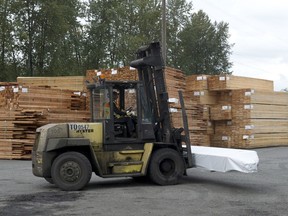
x: 71, y: 171
x: 166, y: 166
x: 50, y: 180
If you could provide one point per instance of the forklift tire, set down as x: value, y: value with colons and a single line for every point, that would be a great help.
x: 50, y: 180
x: 166, y: 166
x: 71, y: 171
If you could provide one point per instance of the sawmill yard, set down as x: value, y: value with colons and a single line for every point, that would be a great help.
x: 223, y: 110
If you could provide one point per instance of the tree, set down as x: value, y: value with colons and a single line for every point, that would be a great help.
x: 116, y: 28
x: 45, y: 38
x: 178, y: 13
x: 205, y: 46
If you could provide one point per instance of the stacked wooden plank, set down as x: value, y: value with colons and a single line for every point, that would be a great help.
x: 197, y: 112
x: 226, y: 111
x: 250, y: 114
x: 24, y: 108
x: 244, y: 112
x: 74, y: 83
x: 198, y: 95
x: 17, y: 133
x: 228, y: 82
x: 175, y: 81
x: 123, y: 73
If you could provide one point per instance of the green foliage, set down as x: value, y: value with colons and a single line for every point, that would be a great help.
x: 205, y: 46
x: 55, y: 37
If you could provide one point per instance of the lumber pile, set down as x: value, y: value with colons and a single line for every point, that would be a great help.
x: 74, y: 83
x: 224, y: 111
x: 228, y: 82
x: 200, y: 126
x: 123, y: 73
x: 244, y: 112
x: 24, y: 108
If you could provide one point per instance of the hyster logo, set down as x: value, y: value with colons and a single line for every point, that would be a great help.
x: 81, y: 128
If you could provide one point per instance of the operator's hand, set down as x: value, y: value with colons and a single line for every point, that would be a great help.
x: 129, y: 109
x: 129, y: 113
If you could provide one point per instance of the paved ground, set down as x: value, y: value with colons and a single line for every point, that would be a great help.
x: 201, y: 193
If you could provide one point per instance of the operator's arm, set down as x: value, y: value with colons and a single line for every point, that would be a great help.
x: 117, y: 111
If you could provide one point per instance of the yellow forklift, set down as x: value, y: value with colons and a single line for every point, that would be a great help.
x: 66, y: 154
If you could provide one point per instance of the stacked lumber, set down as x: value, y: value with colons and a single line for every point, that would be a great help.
x: 229, y: 82
x: 225, y: 111
x: 244, y: 112
x: 197, y: 82
x: 35, y: 101
x: 251, y: 118
x: 24, y: 108
x: 74, y: 83
x: 175, y: 81
x: 7, y: 93
x: 123, y: 73
x: 196, y: 109
x: 17, y: 133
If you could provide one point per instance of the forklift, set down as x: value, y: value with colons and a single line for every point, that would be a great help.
x: 66, y: 154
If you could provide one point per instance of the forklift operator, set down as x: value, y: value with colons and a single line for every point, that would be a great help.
x: 121, y: 116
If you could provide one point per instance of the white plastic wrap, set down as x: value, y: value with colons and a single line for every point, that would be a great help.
x: 225, y: 160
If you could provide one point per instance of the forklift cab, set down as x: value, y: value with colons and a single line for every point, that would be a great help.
x: 131, y: 95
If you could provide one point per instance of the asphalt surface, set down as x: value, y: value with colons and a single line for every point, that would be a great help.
x: 200, y: 193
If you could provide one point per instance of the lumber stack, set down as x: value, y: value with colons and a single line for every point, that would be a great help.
x: 123, y: 73
x: 197, y: 113
x: 229, y: 82
x: 224, y: 111
x: 245, y: 112
x: 74, y: 83
x: 24, y: 108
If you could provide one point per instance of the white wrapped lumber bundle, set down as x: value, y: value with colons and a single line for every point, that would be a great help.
x: 74, y: 83
x: 251, y: 96
x: 197, y: 82
x: 229, y: 82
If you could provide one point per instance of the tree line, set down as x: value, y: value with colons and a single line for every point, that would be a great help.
x: 54, y: 37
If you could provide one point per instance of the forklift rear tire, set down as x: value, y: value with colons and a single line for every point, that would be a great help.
x: 166, y: 166
x: 71, y: 171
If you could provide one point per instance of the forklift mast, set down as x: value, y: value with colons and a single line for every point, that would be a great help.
x: 149, y: 64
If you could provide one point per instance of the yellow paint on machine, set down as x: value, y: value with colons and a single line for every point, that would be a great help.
x: 129, y: 155
x: 91, y: 131
x: 129, y: 168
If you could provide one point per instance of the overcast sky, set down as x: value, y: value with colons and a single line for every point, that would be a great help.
x: 259, y: 29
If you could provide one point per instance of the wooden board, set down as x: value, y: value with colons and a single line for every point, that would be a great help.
x: 229, y: 82
x: 251, y: 96
x: 74, y: 83
x: 197, y: 82
x: 202, y: 97
x: 249, y: 141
